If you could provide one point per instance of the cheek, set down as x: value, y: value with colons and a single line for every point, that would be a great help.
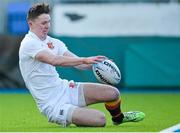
x: 40, y: 28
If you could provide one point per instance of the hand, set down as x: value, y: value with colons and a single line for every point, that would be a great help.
x: 94, y: 59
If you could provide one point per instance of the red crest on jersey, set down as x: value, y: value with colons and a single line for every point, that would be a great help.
x: 50, y: 45
x: 71, y: 85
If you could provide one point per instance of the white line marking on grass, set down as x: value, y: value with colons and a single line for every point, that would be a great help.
x: 175, y: 128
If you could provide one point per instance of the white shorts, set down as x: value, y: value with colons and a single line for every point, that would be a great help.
x: 73, y: 97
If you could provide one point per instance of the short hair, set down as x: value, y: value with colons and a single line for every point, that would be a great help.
x: 38, y: 9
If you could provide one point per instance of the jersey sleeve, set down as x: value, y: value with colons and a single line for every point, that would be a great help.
x: 62, y: 48
x: 32, y: 48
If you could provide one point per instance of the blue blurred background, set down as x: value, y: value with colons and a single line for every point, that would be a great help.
x: 141, y: 36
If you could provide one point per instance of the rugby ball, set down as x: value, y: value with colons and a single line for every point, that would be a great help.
x: 107, y: 72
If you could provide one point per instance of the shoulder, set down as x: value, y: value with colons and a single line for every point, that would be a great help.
x: 30, y: 39
x: 55, y: 40
x: 28, y: 42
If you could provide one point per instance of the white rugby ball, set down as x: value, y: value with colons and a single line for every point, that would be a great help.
x: 107, y: 72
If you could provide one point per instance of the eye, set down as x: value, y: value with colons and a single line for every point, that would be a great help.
x: 45, y: 22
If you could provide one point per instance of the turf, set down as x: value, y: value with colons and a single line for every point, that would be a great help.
x: 18, y: 112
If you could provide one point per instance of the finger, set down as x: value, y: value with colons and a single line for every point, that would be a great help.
x: 99, y: 60
x: 101, y: 57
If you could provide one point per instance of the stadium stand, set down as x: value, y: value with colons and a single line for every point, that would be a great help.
x: 16, y: 18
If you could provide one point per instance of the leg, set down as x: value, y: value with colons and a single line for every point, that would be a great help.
x: 95, y: 93
x: 88, y: 117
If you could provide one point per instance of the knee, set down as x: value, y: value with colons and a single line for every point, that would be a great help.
x: 114, y: 93
x: 101, y: 120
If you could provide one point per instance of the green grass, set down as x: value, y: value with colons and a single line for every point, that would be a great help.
x: 18, y: 112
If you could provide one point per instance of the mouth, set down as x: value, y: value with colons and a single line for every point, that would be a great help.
x: 45, y: 32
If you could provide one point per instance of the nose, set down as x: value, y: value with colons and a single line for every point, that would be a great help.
x: 47, y: 26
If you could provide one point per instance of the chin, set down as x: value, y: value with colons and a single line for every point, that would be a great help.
x: 45, y: 34
x: 43, y: 37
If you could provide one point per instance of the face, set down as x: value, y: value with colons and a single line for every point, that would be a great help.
x: 40, y: 26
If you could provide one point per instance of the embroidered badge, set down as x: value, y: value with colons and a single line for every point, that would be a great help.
x: 50, y: 45
x: 71, y: 85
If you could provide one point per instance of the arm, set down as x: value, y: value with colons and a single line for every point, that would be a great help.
x: 82, y: 66
x: 58, y: 60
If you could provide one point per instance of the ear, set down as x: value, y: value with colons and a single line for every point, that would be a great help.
x: 30, y: 23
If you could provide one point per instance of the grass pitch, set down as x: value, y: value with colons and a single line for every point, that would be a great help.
x: 18, y: 112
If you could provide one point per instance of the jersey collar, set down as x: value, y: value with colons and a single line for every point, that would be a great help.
x: 35, y: 36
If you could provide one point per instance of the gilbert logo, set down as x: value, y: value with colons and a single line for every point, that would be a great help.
x: 50, y: 45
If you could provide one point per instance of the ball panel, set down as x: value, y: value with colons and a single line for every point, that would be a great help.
x: 107, y: 72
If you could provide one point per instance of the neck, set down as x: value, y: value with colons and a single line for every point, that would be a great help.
x: 42, y: 38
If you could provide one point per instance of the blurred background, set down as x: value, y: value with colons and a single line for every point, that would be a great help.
x: 141, y: 36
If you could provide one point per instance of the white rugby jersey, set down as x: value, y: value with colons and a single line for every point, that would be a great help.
x: 40, y: 78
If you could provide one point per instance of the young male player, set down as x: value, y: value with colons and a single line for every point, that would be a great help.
x: 62, y: 101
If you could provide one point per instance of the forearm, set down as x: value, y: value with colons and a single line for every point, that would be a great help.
x: 67, y: 61
x: 84, y: 66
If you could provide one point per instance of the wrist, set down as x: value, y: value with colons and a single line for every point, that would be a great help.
x: 83, y: 60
